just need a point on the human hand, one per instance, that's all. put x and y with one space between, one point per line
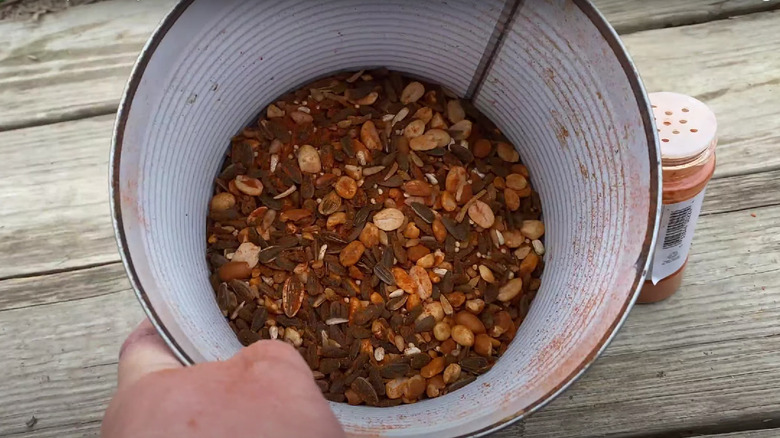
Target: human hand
266 390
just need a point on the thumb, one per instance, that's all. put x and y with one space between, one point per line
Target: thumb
143 352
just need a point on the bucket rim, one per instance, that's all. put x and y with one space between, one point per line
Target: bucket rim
621 54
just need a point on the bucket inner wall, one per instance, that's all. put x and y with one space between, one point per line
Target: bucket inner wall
544 72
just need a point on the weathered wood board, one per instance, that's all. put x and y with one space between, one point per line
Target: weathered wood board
632 16
674 357
54 211
703 362
734 67
73 63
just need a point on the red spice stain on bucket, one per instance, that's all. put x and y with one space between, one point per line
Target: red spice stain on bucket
562 133
583 170
130 205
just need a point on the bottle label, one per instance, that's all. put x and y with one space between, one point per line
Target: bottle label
675 234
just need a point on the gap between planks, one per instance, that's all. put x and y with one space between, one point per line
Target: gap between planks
765 432
58 271
79 114
83 428
756 427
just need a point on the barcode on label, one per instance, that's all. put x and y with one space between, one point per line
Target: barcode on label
678 225
678 221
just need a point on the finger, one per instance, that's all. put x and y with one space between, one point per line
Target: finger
266 351
277 368
143 353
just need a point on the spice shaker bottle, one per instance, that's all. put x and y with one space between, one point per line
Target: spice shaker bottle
688 132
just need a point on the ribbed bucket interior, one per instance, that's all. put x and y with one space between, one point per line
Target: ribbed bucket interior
548 73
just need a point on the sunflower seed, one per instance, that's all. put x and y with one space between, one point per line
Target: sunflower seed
393 181
396 303
459 231
292 296
269 254
384 274
423 211
395 370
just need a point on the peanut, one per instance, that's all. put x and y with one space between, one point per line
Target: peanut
223 201
389 219
434 367
412 93
309 159
451 373
462 335
351 253
483 345
441 331
532 229
470 321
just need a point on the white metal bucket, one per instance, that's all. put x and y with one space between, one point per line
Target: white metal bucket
551 74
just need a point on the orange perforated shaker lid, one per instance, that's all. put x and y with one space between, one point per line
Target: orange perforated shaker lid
686 126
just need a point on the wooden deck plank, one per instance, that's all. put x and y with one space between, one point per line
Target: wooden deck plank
59 360
742 192
733 66
54 197
633 16
88 429
668 392
698 65
734 273
73 63
26 292
704 359
672 360
707 356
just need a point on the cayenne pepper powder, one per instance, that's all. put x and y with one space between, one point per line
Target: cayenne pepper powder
688 132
